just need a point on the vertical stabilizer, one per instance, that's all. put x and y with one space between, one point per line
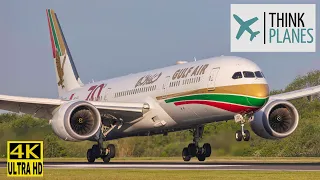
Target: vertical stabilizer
66 72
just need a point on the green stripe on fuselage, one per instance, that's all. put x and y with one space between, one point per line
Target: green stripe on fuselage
228 98
56 42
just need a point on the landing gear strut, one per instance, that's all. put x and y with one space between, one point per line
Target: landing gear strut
242 134
98 150
193 149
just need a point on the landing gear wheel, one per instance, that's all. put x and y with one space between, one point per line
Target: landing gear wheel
207 149
246 136
106 159
192 149
112 151
201 157
238 135
90 156
95 151
185 154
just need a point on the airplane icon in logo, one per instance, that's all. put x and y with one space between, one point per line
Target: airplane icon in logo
244 26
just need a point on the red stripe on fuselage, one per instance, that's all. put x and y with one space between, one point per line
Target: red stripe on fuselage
225 106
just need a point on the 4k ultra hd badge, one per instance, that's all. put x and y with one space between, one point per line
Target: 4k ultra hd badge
25 158
273 27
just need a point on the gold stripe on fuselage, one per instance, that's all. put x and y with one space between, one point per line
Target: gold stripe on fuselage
255 90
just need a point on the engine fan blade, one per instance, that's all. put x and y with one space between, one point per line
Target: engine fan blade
82 121
280 120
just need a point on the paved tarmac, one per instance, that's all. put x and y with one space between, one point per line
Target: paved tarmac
184 166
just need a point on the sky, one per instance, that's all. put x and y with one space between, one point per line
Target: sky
113 38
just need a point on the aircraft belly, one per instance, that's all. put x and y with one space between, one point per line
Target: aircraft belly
179 113
179 118
196 113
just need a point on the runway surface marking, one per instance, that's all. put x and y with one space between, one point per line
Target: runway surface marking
139 166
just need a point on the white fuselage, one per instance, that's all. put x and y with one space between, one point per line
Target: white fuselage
159 87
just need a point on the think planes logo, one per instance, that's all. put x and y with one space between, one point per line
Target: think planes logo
273 28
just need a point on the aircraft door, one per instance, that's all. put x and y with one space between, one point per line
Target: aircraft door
212 78
108 94
165 87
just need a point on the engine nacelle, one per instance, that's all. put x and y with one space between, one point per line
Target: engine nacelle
76 121
278 119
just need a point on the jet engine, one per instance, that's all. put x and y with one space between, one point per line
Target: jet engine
278 119
76 121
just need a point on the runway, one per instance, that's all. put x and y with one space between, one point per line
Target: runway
184 166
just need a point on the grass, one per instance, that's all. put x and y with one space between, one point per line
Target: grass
84 174
179 159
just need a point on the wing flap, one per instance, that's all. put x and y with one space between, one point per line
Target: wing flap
43 107
39 107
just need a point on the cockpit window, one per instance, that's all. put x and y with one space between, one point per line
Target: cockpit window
258 74
237 75
248 74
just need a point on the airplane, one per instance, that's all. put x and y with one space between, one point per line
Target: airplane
244 26
185 96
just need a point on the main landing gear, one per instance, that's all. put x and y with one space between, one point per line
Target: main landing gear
98 150
243 133
193 149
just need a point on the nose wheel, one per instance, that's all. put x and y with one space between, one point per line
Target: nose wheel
242 134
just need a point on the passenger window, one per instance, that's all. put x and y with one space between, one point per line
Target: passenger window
258 74
237 75
248 74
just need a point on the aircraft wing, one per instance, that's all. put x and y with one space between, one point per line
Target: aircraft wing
296 94
43 107
240 32
250 21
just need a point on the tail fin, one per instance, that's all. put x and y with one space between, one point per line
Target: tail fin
66 72
253 35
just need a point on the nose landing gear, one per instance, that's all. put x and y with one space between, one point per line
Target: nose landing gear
243 133
193 149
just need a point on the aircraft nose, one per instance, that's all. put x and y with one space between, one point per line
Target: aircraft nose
259 95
